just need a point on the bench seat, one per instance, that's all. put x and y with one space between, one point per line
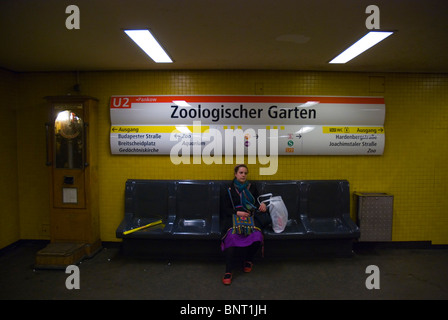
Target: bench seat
192 210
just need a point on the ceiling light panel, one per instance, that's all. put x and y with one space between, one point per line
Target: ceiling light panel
146 41
363 44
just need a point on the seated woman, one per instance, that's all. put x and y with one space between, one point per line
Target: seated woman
244 221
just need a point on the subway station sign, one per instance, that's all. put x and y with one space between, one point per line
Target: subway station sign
300 125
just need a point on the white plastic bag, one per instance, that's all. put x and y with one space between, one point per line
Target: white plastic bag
277 210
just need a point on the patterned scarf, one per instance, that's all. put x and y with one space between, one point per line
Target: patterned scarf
247 199
244 226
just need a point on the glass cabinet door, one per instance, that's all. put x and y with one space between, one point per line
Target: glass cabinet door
69 138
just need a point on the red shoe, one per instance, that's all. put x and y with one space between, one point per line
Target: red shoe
248 266
227 279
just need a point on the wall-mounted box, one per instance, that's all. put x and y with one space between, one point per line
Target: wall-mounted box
374 215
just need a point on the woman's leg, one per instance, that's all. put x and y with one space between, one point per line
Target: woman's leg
229 255
235 255
250 255
252 250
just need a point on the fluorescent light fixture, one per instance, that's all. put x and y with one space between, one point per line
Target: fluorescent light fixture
146 41
309 104
183 129
181 103
306 129
363 44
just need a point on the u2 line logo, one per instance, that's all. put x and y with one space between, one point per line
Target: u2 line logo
120 102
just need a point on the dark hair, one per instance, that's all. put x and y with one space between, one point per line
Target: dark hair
238 166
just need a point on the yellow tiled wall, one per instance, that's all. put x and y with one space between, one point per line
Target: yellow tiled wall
413 167
9 203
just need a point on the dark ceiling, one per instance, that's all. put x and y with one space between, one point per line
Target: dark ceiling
216 34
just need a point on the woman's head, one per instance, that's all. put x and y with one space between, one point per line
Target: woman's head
241 172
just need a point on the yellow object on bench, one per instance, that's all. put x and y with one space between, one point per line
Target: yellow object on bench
143 227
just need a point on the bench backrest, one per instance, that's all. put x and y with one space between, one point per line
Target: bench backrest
196 199
148 198
322 199
202 199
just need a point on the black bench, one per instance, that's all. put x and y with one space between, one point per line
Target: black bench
319 217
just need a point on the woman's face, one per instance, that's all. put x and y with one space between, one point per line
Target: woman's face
241 174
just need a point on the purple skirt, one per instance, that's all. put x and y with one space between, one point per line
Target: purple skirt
238 240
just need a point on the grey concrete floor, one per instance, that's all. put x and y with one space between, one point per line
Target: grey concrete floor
404 274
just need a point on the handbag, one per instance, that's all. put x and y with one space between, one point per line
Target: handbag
277 210
244 226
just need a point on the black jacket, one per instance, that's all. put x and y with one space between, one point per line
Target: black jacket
261 219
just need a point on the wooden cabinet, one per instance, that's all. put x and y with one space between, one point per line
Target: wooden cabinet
72 162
